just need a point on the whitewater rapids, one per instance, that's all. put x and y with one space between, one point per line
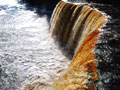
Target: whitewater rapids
29 56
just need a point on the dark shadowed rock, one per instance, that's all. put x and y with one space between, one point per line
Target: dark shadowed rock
105 1
49 4
98 1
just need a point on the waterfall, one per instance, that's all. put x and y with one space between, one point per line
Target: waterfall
30 60
77 76
70 23
77 27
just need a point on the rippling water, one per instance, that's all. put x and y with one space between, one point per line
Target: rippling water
28 54
108 49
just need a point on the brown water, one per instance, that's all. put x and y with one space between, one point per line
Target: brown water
71 23
107 49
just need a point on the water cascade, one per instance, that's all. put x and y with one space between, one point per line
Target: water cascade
30 60
77 27
70 23
77 76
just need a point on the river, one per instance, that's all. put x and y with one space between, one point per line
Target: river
29 56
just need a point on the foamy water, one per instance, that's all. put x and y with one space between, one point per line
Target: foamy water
28 53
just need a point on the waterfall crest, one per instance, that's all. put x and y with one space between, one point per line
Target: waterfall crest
77 27
70 23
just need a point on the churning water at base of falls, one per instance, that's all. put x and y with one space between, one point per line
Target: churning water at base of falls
28 55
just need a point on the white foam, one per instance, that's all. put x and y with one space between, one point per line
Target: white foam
27 51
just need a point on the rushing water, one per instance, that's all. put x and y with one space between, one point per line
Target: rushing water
107 49
29 57
28 54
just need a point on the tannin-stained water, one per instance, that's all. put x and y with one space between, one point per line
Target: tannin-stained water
106 50
29 57
80 25
71 23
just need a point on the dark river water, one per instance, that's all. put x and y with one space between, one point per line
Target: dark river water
108 49
28 54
